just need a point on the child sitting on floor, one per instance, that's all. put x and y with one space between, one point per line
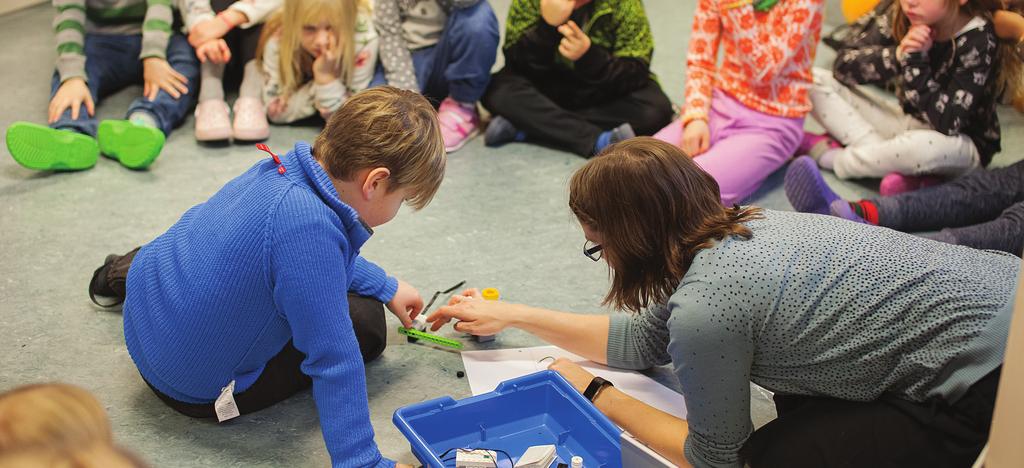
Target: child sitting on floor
444 49
948 67
577 76
244 298
744 118
226 44
314 54
102 47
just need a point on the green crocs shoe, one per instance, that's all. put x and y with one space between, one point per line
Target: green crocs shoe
134 146
47 149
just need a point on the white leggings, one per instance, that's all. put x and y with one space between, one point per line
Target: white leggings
879 138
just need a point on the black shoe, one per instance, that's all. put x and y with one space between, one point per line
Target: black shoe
99 286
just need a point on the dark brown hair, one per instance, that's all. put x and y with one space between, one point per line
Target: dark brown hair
386 127
655 209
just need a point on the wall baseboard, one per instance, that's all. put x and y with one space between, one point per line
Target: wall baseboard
15 5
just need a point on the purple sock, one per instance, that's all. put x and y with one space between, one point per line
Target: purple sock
806 189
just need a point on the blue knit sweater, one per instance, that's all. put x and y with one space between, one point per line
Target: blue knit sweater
269 258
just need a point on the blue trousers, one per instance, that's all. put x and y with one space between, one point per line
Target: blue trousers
459 65
112 62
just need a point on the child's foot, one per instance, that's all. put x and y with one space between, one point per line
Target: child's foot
863 211
250 120
135 146
613 136
459 123
806 188
814 144
212 120
500 131
99 286
47 149
895 183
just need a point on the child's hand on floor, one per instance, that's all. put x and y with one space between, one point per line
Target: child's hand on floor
71 94
696 137
215 51
406 304
1009 25
157 74
574 43
918 39
556 12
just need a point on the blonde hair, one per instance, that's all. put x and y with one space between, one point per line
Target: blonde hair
295 64
386 127
51 414
95 455
1009 76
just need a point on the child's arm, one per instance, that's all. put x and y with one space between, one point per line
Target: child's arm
871 59
367 44
69 27
370 280
948 108
157 74
702 60
531 43
625 68
770 47
283 108
255 11
394 52
305 266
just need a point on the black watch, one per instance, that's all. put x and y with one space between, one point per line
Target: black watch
595 387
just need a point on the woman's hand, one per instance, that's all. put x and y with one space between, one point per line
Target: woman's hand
476 316
696 137
406 304
71 94
576 375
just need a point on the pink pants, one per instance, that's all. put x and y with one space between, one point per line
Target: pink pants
746 145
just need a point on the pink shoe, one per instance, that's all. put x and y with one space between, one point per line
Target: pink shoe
895 183
458 124
213 123
250 120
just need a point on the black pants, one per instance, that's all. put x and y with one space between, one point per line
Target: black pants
548 116
983 209
243 44
889 432
282 376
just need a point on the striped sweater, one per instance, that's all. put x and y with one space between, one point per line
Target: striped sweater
75 18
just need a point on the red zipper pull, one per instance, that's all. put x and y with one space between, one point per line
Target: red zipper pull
280 166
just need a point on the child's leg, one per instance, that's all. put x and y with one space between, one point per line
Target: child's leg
913 152
977 197
213 117
250 116
647 110
518 100
1005 233
746 147
211 86
847 115
464 56
168 111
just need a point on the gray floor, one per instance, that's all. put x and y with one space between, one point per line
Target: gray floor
500 220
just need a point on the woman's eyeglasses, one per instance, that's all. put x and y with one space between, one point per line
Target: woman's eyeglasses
592 251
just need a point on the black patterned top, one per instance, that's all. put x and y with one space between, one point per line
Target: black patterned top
952 87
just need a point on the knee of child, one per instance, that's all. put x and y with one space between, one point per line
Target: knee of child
478 22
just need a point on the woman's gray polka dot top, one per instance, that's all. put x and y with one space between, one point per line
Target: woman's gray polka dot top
816 305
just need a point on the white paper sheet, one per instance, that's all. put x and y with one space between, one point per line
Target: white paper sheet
486 369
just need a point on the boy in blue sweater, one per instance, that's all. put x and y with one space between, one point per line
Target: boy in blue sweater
243 301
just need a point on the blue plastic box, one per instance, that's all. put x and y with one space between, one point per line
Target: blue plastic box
537 409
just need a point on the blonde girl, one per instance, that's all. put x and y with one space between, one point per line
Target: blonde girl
314 55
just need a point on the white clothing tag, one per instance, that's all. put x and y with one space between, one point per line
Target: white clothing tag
225 404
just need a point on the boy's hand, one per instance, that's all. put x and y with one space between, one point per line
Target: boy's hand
158 74
215 51
574 43
556 12
406 304
72 93
696 137
1009 25
918 39
325 67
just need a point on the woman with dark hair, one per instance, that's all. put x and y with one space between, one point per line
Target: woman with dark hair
883 349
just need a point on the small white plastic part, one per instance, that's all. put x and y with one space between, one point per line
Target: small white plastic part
478 458
576 462
420 322
538 456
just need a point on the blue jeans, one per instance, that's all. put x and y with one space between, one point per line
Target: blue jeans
459 65
112 62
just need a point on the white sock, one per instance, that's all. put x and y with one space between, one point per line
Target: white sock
143 118
211 85
252 81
